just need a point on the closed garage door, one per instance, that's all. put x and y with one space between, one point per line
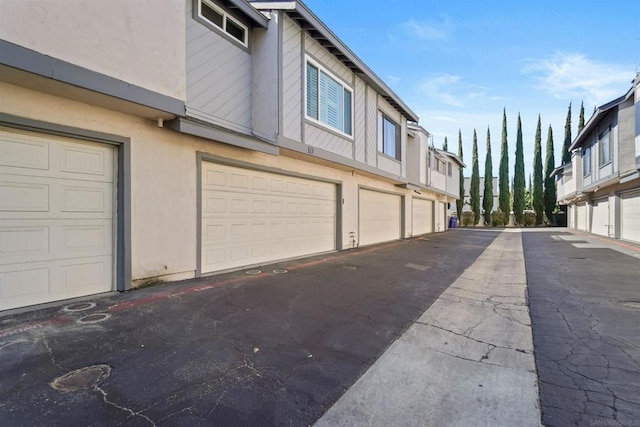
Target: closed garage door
581 217
630 206
421 216
56 207
251 217
600 217
380 217
441 217
570 216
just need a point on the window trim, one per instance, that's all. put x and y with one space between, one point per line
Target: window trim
345 87
601 162
398 136
226 16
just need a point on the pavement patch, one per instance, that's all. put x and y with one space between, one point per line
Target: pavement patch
81 379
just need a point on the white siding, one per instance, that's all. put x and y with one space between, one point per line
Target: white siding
360 142
372 127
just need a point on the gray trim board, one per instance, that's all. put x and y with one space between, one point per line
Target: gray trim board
210 132
19 57
122 245
299 147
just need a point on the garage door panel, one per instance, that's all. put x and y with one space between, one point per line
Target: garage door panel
600 217
39 282
379 217
251 217
40 197
422 216
31 154
630 216
56 207
581 217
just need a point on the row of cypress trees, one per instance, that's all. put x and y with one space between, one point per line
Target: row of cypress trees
544 185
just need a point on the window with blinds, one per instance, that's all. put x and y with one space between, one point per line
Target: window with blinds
328 102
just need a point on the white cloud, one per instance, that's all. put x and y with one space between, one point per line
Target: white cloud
438 88
575 76
392 80
427 30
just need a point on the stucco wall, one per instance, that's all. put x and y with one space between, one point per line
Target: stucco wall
164 179
140 42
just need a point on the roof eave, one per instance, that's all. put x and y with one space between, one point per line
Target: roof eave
251 12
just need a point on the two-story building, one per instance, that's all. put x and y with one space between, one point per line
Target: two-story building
219 135
601 185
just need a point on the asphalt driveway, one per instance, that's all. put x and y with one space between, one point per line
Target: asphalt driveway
274 348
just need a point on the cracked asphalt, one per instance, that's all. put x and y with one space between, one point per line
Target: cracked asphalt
233 349
284 348
584 300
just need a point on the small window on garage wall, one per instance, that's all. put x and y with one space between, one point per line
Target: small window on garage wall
217 18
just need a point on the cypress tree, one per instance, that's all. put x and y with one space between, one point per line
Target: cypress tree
474 187
518 177
581 118
550 190
445 144
487 201
538 190
460 201
504 197
566 155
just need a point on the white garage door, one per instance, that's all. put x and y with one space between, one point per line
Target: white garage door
379 217
421 216
581 217
251 217
441 217
630 206
56 202
570 216
600 217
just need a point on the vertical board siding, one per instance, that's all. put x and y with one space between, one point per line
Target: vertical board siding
318 137
219 77
372 127
292 90
359 115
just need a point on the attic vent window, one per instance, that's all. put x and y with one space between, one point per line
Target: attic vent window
219 19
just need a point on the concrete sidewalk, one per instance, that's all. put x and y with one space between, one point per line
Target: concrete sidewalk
468 360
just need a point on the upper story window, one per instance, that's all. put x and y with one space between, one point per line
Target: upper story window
329 101
604 141
586 160
213 14
388 136
449 169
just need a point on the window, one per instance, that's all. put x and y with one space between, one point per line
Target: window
449 169
388 137
328 100
605 146
214 15
586 161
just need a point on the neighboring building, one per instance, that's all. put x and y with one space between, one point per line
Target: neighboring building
431 172
601 185
217 136
467 197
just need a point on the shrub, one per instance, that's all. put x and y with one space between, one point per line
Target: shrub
499 219
528 218
468 219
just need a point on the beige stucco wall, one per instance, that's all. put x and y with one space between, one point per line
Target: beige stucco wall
141 42
164 179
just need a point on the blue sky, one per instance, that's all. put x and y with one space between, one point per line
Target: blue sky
458 63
